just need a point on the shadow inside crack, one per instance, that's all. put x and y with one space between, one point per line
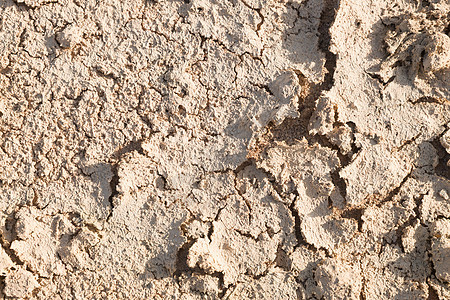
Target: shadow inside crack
442 168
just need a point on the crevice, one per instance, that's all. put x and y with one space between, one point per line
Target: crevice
224 288
114 192
182 267
29 7
297 222
116 156
344 161
218 42
327 18
258 11
401 230
410 222
12 255
211 228
432 294
247 235
182 257
380 80
293 129
129 147
263 87
418 201
336 123
102 74
258 26
6 245
355 149
356 214
428 99
259 276
239 169
165 184
242 166
408 142
441 169
340 183
301 241
362 295
282 259
76 100
390 196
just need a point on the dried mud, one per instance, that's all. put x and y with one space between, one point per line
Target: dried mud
238 149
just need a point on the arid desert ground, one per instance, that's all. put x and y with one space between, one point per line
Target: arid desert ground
225 149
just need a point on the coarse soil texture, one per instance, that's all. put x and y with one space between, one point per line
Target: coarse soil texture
225 149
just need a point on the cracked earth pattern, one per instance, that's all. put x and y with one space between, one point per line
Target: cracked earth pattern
235 149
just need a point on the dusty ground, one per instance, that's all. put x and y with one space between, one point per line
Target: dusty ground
236 149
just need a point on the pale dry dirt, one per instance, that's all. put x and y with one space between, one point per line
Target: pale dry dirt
224 149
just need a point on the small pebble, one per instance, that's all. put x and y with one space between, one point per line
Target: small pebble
444 194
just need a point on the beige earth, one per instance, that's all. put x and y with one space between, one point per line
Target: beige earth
225 149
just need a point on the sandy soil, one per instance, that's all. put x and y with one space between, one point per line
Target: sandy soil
235 149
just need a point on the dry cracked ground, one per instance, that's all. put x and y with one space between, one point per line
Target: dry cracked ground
235 149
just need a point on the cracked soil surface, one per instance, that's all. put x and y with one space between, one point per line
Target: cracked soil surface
224 149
